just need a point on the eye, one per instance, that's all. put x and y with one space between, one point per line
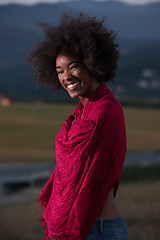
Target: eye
74 66
59 72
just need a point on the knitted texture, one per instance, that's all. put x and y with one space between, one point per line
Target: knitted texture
90 152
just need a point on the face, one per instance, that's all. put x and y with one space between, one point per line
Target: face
74 77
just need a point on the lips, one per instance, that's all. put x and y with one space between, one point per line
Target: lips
71 86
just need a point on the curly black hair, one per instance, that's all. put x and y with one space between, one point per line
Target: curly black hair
83 37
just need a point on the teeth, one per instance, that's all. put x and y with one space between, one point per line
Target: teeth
70 86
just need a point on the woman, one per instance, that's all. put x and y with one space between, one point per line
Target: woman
79 199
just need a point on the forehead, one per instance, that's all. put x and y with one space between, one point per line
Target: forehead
65 59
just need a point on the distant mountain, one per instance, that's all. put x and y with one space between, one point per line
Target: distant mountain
130 22
137 27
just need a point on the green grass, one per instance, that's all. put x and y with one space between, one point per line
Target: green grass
143 129
140 173
28 130
138 203
27 135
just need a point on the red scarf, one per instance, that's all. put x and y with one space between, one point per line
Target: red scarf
90 152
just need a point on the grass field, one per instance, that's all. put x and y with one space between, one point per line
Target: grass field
139 204
27 135
28 130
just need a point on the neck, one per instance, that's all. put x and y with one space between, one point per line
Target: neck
84 100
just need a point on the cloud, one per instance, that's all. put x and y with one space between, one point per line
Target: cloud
133 1
30 2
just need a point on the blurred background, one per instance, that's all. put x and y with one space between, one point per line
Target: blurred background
30 117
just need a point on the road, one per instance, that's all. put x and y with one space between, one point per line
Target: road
16 178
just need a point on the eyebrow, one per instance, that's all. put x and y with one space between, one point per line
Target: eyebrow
70 63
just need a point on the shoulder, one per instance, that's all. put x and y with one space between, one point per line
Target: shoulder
106 108
109 117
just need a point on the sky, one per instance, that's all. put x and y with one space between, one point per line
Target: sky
31 2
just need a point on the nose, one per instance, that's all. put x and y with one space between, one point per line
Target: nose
67 75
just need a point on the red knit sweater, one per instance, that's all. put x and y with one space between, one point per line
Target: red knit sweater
90 152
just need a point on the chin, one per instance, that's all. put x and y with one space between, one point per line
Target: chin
74 94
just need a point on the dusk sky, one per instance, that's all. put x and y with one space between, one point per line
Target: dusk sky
30 2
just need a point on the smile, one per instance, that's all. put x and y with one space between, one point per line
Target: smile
72 85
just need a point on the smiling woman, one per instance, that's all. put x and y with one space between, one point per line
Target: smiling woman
83 39
75 77
80 55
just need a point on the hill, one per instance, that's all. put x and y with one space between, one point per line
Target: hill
138 34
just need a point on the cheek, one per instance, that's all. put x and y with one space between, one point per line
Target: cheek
85 79
61 82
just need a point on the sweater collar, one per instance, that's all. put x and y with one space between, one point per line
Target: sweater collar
95 96
99 92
